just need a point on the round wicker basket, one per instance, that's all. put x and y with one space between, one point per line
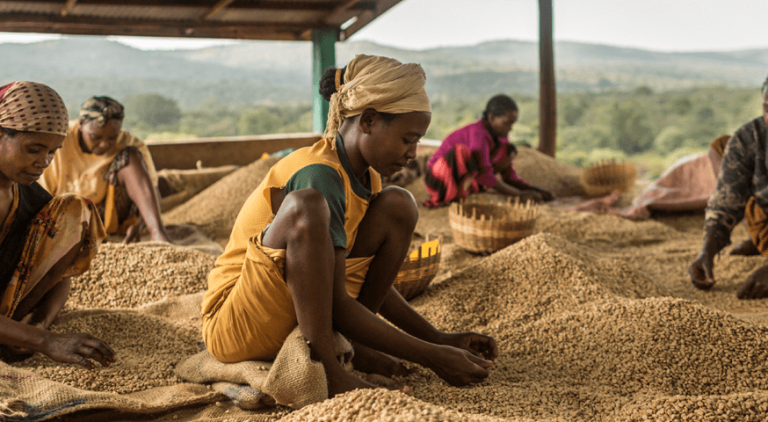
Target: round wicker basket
604 177
419 269
485 227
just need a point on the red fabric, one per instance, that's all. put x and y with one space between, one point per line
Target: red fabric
451 177
5 88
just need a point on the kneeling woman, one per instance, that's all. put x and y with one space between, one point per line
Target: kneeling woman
106 164
479 157
43 240
319 243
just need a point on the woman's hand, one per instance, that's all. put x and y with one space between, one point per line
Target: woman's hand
701 271
531 195
756 286
546 195
478 344
458 367
78 348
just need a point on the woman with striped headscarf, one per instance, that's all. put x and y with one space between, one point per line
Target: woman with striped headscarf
43 240
114 169
319 243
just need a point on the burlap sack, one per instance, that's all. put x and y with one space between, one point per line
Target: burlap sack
684 186
292 380
188 183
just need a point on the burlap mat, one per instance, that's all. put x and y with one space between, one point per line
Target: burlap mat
25 396
292 380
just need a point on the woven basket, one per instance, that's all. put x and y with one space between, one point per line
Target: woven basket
484 227
419 269
604 177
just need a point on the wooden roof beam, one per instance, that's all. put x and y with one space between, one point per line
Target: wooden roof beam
340 10
16 22
339 14
68 7
218 7
366 17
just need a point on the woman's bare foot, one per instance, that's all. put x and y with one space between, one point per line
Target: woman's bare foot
372 361
341 381
746 248
635 213
598 205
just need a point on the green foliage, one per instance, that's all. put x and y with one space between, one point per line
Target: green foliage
670 138
628 122
651 129
151 110
260 120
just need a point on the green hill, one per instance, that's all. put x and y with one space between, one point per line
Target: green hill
279 72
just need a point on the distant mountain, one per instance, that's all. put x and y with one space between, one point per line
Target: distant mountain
275 72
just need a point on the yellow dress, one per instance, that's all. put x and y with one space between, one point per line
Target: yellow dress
248 311
53 231
84 174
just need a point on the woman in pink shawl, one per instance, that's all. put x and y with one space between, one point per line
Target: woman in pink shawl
479 157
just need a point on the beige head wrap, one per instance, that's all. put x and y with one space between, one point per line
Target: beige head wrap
380 83
32 107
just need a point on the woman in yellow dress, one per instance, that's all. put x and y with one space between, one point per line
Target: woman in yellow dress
108 165
318 244
43 240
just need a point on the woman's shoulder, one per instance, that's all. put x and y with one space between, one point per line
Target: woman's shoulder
752 131
127 139
469 132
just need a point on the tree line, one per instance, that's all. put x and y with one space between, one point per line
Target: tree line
652 129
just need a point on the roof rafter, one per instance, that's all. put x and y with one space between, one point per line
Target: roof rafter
68 7
366 17
218 7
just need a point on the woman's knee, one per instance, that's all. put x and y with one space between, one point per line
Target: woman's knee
136 167
399 206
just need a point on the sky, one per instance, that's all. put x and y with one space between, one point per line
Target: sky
661 25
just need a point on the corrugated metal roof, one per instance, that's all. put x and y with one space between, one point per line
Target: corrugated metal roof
244 19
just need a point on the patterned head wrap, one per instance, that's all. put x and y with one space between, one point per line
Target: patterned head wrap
32 107
101 109
380 83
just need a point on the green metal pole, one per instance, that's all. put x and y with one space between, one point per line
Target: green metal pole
323 55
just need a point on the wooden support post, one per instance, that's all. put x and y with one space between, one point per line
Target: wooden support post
323 55
547 100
